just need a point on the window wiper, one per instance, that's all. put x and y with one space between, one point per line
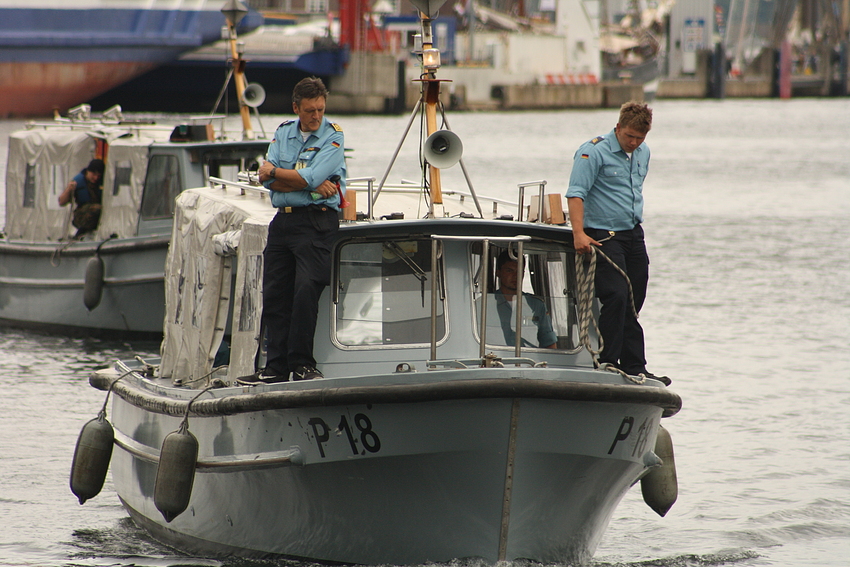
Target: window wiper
418 272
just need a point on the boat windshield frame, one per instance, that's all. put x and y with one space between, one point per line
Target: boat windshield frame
391 281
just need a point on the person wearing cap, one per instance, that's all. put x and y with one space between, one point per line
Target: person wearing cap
86 190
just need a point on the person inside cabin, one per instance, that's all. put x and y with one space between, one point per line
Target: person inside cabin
305 154
533 309
605 203
86 190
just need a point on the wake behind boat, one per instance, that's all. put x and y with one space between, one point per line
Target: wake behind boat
441 430
110 279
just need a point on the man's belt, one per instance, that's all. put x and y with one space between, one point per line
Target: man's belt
304 209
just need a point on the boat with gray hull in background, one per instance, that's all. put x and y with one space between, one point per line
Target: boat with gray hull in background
109 280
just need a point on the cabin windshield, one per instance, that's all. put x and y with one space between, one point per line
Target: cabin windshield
384 294
549 317
168 174
162 185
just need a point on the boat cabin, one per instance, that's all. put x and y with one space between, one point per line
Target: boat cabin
406 294
147 165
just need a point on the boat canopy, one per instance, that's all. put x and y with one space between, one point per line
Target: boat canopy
43 160
198 274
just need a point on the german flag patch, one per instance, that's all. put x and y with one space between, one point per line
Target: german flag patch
585 156
335 144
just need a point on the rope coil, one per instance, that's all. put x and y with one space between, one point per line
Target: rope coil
586 278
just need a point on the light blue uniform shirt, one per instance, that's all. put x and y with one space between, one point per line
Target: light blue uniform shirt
610 183
321 156
535 320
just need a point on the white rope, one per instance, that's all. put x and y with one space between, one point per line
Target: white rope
586 278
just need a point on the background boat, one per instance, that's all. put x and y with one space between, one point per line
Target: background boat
280 54
111 280
108 280
58 54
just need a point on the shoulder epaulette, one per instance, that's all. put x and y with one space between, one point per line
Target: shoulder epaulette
597 139
336 126
286 123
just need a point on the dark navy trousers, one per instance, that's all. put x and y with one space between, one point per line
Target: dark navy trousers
296 269
621 332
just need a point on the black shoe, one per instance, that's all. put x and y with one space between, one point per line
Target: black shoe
306 373
663 379
261 377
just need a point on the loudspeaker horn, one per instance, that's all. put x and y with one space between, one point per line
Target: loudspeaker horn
443 149
254 95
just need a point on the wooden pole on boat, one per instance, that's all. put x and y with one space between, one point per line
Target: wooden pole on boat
239 76
432 97
233 12
430 90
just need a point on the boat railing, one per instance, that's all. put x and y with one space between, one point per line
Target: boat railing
353 182
541 186
247 182
437 240
489 361
412 188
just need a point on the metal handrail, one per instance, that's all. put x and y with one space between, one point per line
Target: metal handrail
522 187
485 259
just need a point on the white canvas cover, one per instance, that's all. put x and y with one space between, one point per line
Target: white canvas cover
199 283
248 295
123 183
52 156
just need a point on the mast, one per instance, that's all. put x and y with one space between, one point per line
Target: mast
234 11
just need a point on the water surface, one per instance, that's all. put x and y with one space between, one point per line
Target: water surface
748 228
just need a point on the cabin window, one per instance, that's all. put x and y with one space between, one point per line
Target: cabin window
162 185
385 294
57 183
123 178
29 187
548 306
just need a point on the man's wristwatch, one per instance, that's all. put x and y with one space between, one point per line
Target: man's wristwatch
272 173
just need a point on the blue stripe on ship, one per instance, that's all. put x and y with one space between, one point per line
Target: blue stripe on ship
62 35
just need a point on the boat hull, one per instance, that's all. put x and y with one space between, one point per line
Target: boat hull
43 286
55 57
460 469
36 88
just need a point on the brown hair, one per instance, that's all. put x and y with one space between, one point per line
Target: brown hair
636 115
311 87
96 166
